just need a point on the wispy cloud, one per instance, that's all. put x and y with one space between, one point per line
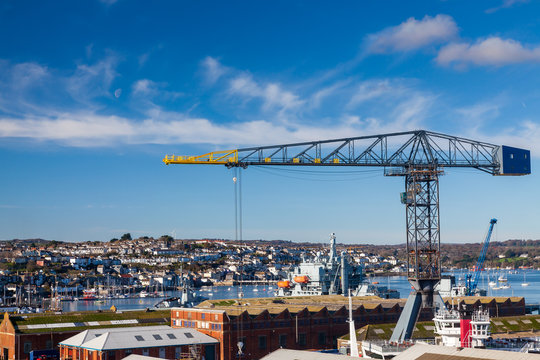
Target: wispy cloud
351 107
280 112
87 130
213 70
149 89
412 35
506 4
373 89
272 94
493 51
91 81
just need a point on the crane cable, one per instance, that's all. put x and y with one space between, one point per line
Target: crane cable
308 174
238 238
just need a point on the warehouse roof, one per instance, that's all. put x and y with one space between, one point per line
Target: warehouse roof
286 354
137 337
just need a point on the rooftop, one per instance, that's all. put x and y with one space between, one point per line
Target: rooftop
438 352
502 327
286 354
296 304
255 306
137 337
72 321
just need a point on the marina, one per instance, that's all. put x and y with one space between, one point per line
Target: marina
400 283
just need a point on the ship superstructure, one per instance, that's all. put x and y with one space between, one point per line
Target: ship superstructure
464 328
324 275
330 275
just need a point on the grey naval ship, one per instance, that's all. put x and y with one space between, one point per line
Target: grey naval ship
330 275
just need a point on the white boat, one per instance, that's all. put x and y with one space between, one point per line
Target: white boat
505 286
524 283
502 278
143 294
492 283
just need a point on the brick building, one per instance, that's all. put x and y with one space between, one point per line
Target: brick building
264 325
315 322
20 334
157 341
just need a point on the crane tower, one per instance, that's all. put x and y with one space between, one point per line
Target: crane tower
420 157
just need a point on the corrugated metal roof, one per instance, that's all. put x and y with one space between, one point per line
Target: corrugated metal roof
286 354
87 335
138 337
438 352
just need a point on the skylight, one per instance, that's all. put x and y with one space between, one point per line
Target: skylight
188 335
139 338
157 337
171 336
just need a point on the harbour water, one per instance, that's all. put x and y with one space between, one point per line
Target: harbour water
400 283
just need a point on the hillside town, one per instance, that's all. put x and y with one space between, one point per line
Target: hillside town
34 270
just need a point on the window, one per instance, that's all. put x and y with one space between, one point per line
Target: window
322 338
177 352
302 339
146 352
139 338
171 336
262 342
203 315
216 317
157 337
49 344
283 340
189 335
27 347
129 351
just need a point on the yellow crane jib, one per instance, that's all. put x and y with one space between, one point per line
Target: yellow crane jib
216 157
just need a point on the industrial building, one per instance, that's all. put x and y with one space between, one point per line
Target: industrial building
310 322
22 334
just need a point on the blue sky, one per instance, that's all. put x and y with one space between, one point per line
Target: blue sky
93 94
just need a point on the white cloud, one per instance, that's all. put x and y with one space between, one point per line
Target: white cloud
506 4
148 89
91 81
143 86
272 94
319 96
413 34
161 127
492 51
372 89
213 70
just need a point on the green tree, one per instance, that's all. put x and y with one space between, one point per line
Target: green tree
126 236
